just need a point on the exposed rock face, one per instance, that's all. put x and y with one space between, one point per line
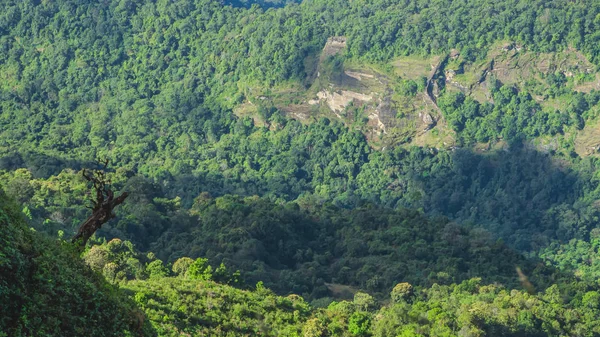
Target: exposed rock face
426 118
355 86
334 45
383 115
357 75
431 88
339 101
385 112
454 54
376 122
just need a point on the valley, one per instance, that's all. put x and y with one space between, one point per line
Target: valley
313 168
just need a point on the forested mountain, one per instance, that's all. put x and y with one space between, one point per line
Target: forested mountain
445 152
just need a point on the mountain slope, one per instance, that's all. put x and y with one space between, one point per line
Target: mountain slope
46 290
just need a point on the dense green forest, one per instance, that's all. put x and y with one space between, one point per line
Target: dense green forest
192 298
460 199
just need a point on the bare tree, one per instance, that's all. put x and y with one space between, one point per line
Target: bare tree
102 206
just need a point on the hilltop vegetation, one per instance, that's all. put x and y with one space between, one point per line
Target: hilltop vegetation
178 306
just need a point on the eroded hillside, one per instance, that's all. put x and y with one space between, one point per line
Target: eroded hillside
395 103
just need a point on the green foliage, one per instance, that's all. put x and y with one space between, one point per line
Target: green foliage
325 161
331 69
401 292
513 117
178 306
486 310
46 290
359 323
156 269
150 85
299 247
578 256
309 209
410 88
181 266
200 270
118 260
363 301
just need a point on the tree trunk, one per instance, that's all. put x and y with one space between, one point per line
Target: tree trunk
101 214
104 204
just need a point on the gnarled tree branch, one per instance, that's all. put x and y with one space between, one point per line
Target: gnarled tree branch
102 206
